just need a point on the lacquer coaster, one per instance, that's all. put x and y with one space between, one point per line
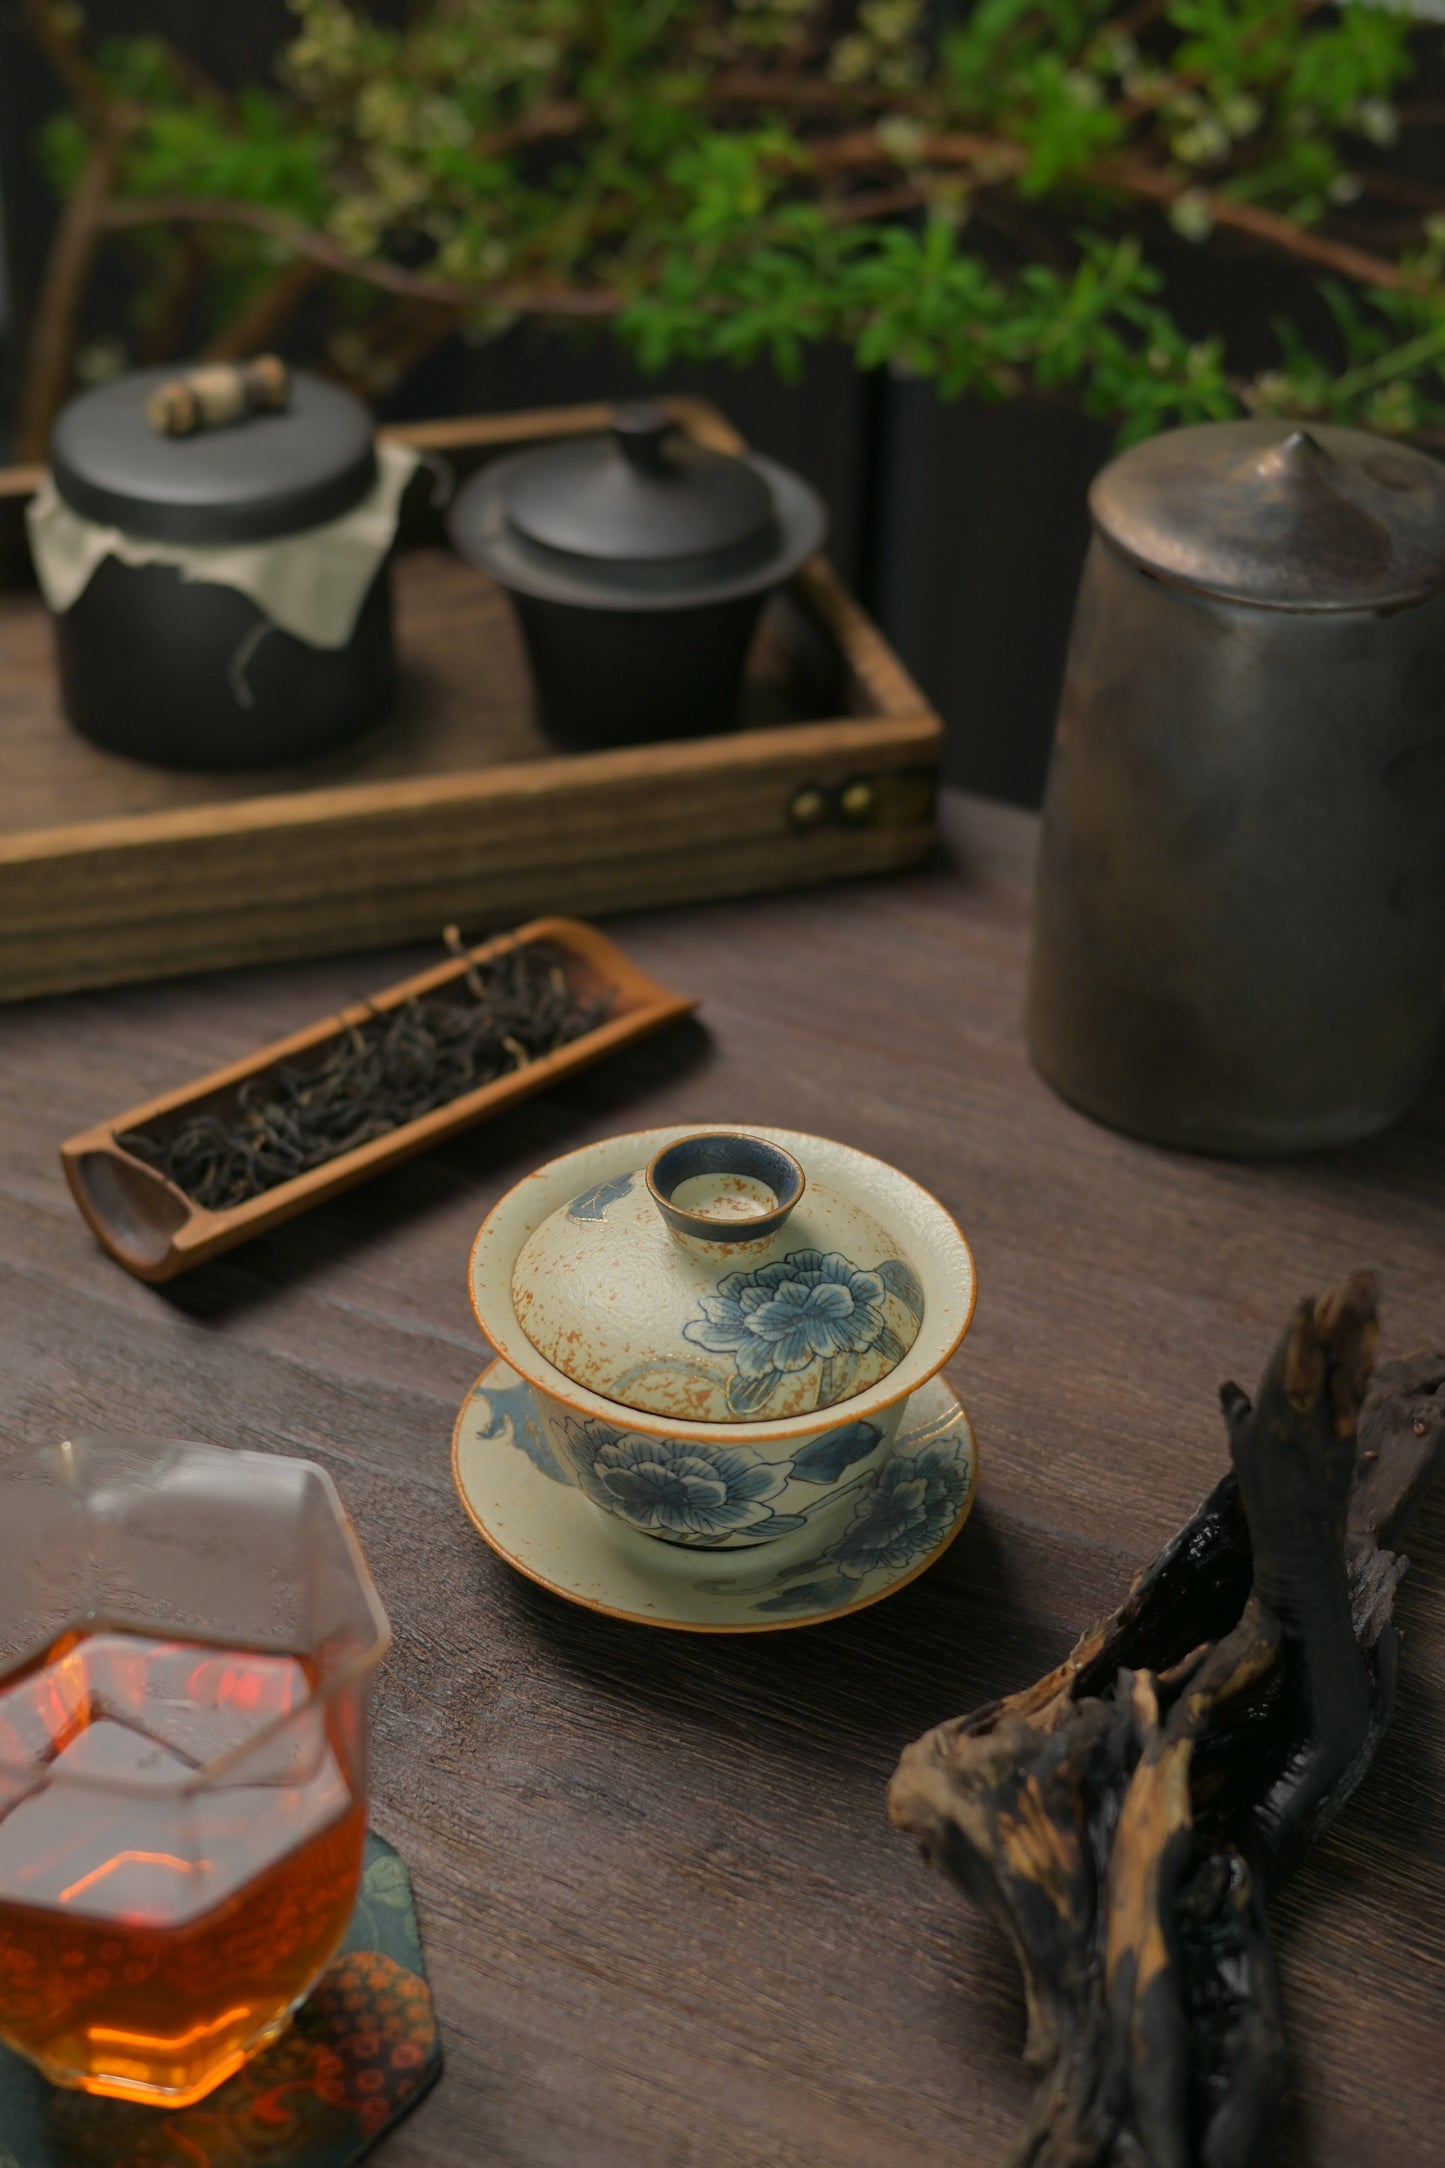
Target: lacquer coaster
360 2052
520 1500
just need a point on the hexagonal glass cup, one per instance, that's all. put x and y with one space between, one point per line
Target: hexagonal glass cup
187 1641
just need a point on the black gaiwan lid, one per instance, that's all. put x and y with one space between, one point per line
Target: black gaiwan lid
1280 517
642 517
267 475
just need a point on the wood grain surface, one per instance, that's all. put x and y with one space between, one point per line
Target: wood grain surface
668 1923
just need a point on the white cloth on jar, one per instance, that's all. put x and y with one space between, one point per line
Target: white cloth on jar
311 584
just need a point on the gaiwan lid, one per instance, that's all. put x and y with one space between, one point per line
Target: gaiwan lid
1286 519
268 475
640 516
717 1285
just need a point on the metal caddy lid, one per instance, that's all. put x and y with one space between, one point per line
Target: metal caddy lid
1283 519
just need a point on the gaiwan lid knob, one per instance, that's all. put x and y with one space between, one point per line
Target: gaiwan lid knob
717 1285
644 491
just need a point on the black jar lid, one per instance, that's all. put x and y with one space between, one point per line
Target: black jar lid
642 517
1284 518
270 474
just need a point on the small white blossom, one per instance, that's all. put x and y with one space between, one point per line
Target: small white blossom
101 362
851 59
1377 120
1191 216
1208 139
902 138
1085 89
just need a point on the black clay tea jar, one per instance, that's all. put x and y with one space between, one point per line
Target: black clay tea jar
220 599
638 562
1239 913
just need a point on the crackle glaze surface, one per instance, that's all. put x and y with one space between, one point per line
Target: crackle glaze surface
716 1331
540 1519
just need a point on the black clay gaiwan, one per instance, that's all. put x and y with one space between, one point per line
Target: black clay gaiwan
165 652
638 562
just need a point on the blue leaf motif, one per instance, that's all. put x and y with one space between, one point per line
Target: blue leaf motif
510 1415
593 1203
746 1395
833 1384
809 1596
826 1458
901 1280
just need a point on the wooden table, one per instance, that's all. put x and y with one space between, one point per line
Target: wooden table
668 1923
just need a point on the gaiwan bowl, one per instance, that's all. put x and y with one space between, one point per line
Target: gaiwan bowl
756 1366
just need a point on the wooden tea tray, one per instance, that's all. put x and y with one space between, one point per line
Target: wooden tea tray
458 809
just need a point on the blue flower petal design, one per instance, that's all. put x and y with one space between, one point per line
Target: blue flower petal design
803 1309
826 1458
593 1202
511 1408
907 1513
688 1493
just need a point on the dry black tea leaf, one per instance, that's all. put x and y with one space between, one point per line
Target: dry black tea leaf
502 1013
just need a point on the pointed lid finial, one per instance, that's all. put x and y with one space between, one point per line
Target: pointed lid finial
1294 519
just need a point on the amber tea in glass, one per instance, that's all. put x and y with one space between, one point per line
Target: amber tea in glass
189 1636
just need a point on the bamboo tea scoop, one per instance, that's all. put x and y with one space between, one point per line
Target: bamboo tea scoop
152 1227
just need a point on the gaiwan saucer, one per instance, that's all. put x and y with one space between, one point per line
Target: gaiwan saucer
520 1500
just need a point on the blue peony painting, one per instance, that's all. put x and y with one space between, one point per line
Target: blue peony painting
804 1310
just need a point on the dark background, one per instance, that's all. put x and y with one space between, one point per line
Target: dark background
962 527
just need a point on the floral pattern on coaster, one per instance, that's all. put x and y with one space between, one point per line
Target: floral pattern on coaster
360 2052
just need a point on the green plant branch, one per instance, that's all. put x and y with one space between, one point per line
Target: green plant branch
123 212
260 322
989 159
1396 363
728 178
1285 235
992 159
61 46
67 273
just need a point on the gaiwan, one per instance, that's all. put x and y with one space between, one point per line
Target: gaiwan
721 1341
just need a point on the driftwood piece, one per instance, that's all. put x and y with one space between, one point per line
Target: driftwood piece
1125 1818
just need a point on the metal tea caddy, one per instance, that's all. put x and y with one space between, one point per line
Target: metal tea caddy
1239 914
